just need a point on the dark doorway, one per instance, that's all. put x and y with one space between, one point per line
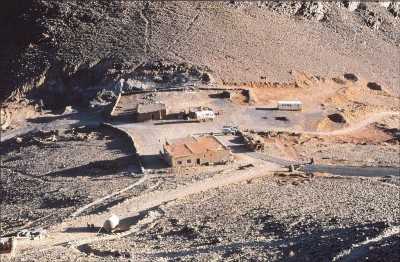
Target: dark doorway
198 161
152 117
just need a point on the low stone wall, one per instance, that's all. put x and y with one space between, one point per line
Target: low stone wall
122 132
183 89
115 104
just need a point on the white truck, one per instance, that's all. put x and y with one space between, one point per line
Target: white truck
204 115
229 130
290 105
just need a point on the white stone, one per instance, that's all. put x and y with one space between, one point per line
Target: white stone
353 5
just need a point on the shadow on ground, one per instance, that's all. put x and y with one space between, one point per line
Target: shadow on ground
81 229
97 168
176 122
267 108
153 162
305 242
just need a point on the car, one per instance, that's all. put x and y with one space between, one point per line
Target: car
229 130
182 114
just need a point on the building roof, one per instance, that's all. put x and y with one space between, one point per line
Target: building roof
289 102
181 141
150 107
193 145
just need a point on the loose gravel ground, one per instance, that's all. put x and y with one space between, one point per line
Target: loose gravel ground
274 219
48 175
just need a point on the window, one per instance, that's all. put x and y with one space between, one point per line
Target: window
189 161
179 162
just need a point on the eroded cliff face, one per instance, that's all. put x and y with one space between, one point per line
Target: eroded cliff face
67 52
91 83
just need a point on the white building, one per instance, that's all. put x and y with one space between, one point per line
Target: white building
290 105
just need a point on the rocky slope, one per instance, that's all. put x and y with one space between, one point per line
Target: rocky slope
66 52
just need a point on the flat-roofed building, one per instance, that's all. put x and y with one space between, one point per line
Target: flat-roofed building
193 151
151 111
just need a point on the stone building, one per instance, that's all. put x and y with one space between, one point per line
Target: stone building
194 151
151 111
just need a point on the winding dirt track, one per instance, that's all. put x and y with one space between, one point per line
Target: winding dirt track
369 120
356 250
134 209
99 200
74 232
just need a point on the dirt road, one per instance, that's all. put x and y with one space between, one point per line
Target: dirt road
371 119
338 170
74 231
363 123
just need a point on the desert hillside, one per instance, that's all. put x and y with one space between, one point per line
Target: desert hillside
65 52
199 131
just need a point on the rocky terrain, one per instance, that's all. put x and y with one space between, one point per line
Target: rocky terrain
75 49
282 217
67 162
47 176
273 219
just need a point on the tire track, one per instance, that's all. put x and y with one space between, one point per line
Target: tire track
355 252
196 17
137 207
369 120
99 200
147 28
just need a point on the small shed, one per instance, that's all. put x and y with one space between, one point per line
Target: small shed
151 111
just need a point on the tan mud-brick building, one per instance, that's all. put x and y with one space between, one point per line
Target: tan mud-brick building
193 151
152 111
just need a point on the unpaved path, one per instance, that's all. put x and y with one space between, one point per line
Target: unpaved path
228 176
356 250
99 200
369 120
75 231
334 169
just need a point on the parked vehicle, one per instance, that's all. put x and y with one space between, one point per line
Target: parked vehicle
204 115
290 105
182 114
229 130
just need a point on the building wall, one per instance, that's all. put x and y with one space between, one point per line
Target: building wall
192 160
163 114
158 115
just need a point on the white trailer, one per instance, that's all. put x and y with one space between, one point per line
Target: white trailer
204 115
290 105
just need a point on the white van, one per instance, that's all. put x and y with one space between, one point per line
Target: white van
290 105
229 130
